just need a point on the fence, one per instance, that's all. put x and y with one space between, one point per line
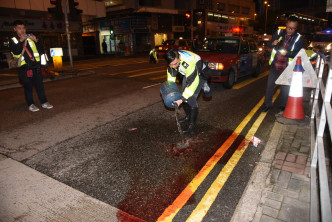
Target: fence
320 206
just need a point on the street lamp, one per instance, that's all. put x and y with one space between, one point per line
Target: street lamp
267 6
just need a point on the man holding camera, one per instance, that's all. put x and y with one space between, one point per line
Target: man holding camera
31 55
285 45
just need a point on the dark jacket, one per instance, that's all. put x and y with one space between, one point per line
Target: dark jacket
17 49
297 47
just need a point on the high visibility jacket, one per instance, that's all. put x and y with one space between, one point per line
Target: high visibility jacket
293 48
188 68
35 52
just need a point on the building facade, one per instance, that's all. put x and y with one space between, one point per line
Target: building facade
48 27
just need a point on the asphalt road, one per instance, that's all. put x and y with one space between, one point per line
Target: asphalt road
110 136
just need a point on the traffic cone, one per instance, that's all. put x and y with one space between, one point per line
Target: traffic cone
294 107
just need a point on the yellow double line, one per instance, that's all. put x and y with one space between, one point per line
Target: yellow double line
210 196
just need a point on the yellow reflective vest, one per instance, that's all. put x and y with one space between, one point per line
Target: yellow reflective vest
274 51
32 46
187 67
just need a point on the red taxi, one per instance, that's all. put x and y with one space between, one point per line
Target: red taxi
180 44
230 58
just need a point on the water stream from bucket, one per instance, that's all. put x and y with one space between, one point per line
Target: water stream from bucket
178 124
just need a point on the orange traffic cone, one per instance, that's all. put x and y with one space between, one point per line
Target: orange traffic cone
294 107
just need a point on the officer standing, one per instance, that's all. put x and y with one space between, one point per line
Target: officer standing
190 66
153 56
29 69
286 44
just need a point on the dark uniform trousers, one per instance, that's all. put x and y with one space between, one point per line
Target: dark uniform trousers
28 83
273 76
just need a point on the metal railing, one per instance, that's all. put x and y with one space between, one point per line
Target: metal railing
320 204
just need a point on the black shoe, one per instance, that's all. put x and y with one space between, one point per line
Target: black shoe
266 108
282 108
187 110
193 117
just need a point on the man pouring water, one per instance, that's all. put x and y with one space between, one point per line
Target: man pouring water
190 66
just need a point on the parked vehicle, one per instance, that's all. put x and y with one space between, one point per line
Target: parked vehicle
180 44
230 58
322 42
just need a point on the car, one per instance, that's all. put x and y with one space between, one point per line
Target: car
180 44
322 42
230 58
264 48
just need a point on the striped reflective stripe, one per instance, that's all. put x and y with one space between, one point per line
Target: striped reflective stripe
36 54
43 59
187 93
170 78
16 56
15 40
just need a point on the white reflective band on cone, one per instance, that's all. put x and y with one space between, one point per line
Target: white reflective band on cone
296 89
43 59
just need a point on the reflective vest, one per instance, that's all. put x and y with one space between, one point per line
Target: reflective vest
187 67
34 50
274 51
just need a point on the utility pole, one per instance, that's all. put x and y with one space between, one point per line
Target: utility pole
68 34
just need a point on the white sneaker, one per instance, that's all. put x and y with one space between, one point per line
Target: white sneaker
47 105
33 108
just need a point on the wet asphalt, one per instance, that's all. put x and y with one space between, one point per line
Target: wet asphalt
126 158
131 163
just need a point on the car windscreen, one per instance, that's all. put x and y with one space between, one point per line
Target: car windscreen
223 45
169 42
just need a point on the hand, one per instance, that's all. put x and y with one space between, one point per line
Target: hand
177 102
33 37
275 42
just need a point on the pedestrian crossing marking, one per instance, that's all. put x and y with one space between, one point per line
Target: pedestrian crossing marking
171 211
146 73
137 70
5 74
158 77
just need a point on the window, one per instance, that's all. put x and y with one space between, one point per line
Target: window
253 46
245 10
150 2
244 47
112 3
234 8
221 7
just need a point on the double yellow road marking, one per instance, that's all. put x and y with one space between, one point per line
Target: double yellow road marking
210 196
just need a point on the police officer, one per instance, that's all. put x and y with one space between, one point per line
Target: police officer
29 69
190 66
286 44
153 56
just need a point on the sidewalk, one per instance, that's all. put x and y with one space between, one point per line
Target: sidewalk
279 188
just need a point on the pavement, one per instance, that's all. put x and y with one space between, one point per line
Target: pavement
278 190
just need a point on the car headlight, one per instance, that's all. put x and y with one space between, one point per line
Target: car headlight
216 66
